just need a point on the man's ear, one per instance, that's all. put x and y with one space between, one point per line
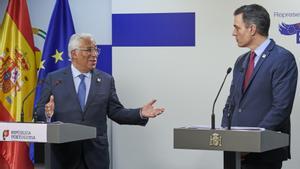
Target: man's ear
253 29
73 54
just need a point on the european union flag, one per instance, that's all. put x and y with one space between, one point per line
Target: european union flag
55 52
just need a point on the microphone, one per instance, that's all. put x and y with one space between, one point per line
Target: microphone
27 96
40 82
213 109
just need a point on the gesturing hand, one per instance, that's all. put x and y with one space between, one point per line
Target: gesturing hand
149 111
49 107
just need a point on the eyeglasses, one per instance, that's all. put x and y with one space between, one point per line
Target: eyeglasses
90 50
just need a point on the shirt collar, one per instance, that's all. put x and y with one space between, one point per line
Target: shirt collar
76 72
261 48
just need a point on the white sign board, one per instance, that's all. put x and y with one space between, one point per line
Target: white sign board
24 132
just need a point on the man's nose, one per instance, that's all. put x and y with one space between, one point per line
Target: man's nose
233 33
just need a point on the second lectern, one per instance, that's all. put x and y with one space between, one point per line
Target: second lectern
232 142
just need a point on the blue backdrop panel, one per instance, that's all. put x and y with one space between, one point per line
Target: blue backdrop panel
153 29
104 62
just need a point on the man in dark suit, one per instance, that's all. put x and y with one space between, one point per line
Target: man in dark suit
263 86
82 94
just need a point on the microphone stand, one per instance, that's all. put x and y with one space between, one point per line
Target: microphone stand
213 109
35 116
26 97
56 83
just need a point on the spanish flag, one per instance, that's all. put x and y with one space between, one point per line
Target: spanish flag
18 76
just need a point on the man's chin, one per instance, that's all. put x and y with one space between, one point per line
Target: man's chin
240 45
92 64
92 67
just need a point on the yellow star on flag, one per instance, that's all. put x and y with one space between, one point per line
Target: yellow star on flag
41 66
57 56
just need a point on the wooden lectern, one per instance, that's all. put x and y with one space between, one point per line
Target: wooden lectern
232 142
48 133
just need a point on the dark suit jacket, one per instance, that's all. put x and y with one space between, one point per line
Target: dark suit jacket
102 102
268 99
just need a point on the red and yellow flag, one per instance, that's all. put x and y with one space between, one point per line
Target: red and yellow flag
17 79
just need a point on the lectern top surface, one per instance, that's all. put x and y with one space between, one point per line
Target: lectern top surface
221 128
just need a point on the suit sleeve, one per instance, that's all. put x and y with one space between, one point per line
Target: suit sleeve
122 115
284 82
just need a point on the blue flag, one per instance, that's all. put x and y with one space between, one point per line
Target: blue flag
55 52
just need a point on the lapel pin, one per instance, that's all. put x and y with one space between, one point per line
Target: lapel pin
98 80
264 56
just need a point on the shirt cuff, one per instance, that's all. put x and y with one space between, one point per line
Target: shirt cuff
141 115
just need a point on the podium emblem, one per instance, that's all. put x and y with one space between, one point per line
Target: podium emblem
215 140
5 134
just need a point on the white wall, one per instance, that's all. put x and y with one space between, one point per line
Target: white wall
143 73
185 81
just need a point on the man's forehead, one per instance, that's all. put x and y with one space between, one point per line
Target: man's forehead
87 42
238 20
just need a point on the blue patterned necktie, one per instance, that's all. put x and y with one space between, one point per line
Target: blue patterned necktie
81 91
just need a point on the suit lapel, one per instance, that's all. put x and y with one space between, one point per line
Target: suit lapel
242 73
96 79
258 65
260 62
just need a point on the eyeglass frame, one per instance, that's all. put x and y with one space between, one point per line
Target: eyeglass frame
90 50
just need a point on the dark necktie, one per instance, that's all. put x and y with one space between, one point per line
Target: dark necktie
249 70
81 91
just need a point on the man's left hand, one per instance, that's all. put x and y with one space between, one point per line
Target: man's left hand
149 111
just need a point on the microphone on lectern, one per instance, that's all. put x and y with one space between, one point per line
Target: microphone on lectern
213 108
